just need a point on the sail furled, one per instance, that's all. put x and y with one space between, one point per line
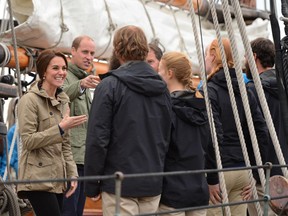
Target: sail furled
55 23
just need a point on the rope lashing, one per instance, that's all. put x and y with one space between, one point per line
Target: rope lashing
208 107
62 25
111 28
7 55
15 49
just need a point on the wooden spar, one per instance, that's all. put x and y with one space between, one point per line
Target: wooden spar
248 8
25 59
184 3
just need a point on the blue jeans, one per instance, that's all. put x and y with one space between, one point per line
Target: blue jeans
74 205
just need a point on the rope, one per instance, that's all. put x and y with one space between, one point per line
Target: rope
7 55
63 27
110 29
258 86
150 20
228 21
182 42
15 49
209 109
29 52
8 200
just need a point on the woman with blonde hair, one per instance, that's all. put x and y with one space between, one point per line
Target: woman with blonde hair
227 135
189 139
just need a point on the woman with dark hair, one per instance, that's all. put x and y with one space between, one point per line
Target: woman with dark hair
44 121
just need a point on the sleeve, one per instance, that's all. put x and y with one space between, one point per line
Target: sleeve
210 162
212 178
28 113
71 167
72 89
260 126
98 135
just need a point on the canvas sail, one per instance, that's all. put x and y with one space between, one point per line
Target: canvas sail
55 23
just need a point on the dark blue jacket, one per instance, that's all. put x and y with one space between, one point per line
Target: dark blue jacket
228 139
128 130
270 87
187 151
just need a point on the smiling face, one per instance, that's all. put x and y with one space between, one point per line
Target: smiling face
83 55
55 74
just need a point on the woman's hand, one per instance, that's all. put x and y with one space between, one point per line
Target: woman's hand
73 186
72 121
247 193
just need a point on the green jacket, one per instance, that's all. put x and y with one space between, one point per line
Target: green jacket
80 105
45 153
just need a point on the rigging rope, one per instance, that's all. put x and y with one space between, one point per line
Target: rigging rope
63 26
8 200
182 42
150 20
209 109
15 49
258 86
242 87
111 28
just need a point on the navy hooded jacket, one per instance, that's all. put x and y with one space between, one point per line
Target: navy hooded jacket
128 130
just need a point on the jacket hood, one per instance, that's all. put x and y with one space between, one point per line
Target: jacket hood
36 89
269 82
140 77
220 80
189 108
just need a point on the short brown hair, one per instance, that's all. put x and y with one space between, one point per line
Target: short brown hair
158 52
265 51
44 59
76 42
130 43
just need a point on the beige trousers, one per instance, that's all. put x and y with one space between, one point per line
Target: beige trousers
235 182
162 208
129 205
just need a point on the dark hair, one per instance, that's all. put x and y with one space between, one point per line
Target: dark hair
264 50
76 42
44 59
130 43
158 52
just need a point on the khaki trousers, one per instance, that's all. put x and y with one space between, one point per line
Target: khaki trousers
252 208
235 182
129 205
162 208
